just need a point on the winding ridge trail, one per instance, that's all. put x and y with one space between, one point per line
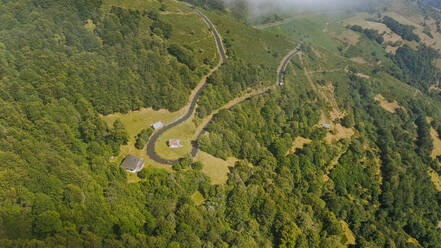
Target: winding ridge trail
151 152
244 98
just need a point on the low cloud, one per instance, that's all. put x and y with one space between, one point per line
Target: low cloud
256 8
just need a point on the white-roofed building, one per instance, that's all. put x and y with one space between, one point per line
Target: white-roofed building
326 125
158 125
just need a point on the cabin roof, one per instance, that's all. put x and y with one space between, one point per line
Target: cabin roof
133 163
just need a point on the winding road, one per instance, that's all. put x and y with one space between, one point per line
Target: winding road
151 152
285 61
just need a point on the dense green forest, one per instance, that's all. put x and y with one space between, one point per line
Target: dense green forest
108 65
380 214
65 63
416 67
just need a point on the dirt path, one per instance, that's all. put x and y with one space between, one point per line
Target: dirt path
230 105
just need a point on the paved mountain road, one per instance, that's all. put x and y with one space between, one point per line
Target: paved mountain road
151 152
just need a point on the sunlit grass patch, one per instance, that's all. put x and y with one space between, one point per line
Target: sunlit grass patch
217 169
197 198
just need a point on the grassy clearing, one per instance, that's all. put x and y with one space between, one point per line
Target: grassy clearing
349 37
339 132
190 31
90 26
134 122
436 143
310 28
217 169
170 5
386 105
197 198
132 178
348 233
299 143
266 49
436 180
184 132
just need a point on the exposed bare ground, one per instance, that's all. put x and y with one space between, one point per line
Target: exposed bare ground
299 143
361 75
394 41
359 60
391 49
435 88
307 73
337 131
418 23
326 92
391 39
386 105
360 19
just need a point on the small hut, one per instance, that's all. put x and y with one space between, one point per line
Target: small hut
174 143
133 164
326 125
158 125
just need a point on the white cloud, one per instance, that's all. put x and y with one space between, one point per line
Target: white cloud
259 7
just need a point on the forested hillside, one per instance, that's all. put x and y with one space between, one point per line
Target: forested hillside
117 60
344 154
